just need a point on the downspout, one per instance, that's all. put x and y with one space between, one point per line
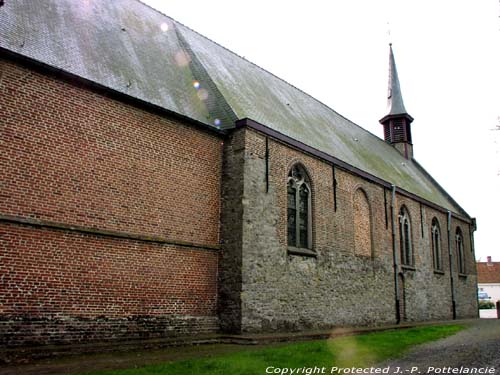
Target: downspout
472 229
334 189
394 253
267 165
453 301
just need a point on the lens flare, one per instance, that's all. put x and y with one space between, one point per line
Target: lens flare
202 94
217 122
196 85
164 27
182 58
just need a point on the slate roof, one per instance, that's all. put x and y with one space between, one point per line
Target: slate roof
131 48
488 273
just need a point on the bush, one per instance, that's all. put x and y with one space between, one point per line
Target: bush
486 304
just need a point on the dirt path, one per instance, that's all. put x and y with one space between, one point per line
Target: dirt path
475 348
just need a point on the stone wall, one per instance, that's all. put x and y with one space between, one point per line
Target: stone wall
341 284
230 273
292 292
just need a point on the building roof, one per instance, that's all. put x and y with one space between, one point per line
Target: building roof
133 49
488 272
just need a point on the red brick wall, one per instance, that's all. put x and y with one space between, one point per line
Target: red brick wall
48 272
70 155
74 157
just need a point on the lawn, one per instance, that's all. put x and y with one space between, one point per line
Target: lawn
358 351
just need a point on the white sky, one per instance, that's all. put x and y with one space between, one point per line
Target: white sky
447 54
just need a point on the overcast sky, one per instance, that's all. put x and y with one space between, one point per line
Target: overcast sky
447 54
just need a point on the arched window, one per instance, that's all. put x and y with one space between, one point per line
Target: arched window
436 245
459 245
362 224
299 208
405 237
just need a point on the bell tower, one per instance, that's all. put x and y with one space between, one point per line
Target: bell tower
397 122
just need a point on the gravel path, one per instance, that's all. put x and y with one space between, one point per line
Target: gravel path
477 347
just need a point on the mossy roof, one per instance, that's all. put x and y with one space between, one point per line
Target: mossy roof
131 48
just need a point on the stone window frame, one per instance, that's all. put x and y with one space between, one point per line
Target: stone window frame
360 188
459 246
405 239
436 246
298 182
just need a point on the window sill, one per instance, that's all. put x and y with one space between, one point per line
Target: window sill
462 275
301 251
439 272
408 268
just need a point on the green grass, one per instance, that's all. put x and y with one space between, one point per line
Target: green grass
359 351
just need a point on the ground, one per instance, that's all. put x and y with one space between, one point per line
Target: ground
477 346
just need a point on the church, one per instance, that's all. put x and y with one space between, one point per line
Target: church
155 184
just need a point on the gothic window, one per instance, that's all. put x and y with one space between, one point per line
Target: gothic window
299 208
405 238
459 244
362 224
436 245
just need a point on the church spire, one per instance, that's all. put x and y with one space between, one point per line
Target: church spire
395 105
397 129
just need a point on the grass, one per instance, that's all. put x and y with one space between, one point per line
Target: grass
358 351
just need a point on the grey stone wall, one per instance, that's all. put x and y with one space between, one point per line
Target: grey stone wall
338 286
230 269
281 291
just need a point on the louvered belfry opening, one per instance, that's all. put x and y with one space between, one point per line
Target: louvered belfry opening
387 133
397 130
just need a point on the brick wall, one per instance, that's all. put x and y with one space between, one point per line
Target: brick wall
72 158
54 279
70 155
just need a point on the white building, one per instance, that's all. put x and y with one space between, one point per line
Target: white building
488 278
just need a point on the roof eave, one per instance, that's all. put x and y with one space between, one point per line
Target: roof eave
392 116
72 78
247 122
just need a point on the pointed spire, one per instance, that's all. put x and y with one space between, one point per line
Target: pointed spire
395 105
397 122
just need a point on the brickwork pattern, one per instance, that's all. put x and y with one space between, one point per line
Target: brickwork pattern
362 224
72 156
62 277
75 157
